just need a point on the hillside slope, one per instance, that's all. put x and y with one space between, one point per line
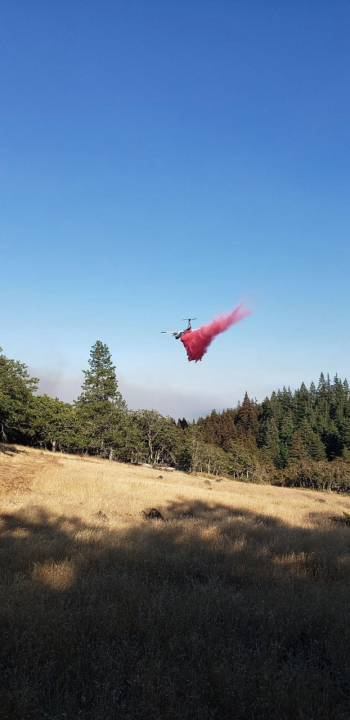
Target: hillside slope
236 602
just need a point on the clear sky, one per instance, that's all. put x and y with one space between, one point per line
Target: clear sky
160 159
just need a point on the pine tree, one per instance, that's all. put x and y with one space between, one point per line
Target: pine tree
229 430
333 441
338 400
101 408
286 399
286 430
100 384
313 394
344 432
272 448
247 422
265 416
297 450
311 441
302 405
322 400
276 406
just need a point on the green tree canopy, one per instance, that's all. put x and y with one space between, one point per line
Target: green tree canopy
55 424
16 400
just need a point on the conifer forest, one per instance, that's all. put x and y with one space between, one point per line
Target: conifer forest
299 438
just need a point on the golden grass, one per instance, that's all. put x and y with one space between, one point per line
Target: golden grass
236 605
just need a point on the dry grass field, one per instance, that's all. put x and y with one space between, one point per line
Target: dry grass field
234 605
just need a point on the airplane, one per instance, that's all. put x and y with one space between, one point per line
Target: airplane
178 333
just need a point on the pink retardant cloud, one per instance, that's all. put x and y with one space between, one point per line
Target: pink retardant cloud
198 341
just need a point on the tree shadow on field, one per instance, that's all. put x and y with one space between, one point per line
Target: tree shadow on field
10 450
216 613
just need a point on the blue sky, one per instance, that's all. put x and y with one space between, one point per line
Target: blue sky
161 159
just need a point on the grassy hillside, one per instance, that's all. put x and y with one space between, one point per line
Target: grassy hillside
236 604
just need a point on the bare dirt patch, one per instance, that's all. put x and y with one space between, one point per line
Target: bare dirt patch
18 468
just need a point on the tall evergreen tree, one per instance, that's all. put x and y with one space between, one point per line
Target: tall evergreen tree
322 398
272 450
311 441
276 406
100 384
229 430
333 441
313 394
101 408
286 399
338 400
266 415
297 450
247 422
302 405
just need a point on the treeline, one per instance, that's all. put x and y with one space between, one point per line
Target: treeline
300 438
297 438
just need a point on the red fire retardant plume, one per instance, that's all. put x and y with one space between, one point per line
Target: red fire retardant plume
198 341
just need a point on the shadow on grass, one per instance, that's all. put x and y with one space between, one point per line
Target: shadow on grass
217 613
10 450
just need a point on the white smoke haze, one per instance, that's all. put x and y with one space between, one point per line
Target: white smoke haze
67 387
167 401
58 383
64 384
